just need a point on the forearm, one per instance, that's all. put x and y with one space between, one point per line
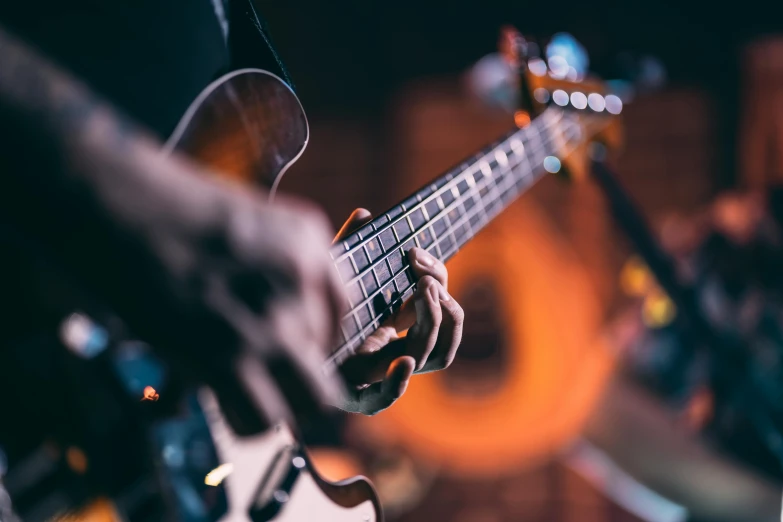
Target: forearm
643 439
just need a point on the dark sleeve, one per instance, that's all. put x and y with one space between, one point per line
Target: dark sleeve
149 58
250 41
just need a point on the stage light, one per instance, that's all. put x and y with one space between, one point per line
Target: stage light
560 97
541 95
552 164
596 102
521 119
579 100
614 105
150 394
218 475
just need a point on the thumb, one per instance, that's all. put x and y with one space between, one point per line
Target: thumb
358 218
397 377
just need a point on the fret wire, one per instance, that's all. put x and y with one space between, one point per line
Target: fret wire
473 192
508 184
442 212
481 156
470 170
369 328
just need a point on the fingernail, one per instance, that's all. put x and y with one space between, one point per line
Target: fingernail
424 257
444 295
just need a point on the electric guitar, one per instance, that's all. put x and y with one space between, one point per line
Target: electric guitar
250 126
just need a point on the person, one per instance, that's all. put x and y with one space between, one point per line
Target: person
87 93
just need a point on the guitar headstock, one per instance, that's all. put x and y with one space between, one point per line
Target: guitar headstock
559 78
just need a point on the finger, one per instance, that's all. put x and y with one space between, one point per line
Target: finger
379 396
356 220
423 264
423 336
372 360
449 335
370 363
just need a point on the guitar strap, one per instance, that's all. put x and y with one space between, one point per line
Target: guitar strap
250 43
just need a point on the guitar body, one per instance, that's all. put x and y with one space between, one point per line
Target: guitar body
250 126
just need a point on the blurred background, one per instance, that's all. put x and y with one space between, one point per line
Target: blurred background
573 396
581 391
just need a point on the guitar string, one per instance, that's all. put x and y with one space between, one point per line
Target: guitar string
451 183
224 433
475 188
509 185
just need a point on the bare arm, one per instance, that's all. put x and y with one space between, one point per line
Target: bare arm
169 246
164 243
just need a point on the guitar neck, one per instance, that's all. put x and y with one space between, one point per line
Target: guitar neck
441 218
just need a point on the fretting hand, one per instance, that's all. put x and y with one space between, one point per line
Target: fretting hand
379 373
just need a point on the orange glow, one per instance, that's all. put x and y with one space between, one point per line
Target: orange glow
557 361
522 119
658 310
698 411
102 510
76 459
635 278
335 464
150 394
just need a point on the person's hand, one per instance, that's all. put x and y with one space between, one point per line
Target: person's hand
280 291
239 292
379 372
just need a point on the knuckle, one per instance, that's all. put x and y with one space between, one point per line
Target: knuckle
458 314
440 268
378 339
371 344
427 283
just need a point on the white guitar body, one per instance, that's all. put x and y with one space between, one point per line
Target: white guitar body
253 460
249 126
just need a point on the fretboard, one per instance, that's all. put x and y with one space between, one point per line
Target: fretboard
441 218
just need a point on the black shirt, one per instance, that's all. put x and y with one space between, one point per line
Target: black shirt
150 58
